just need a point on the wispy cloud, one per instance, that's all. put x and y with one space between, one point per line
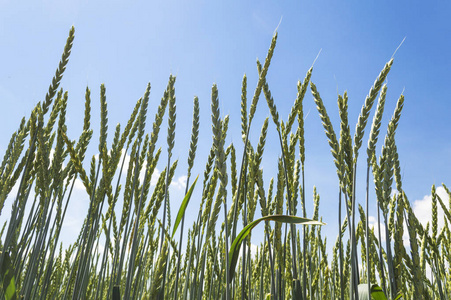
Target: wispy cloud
260 21
180 182
372 223
423 208
155 175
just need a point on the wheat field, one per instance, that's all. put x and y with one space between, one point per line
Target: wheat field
135 251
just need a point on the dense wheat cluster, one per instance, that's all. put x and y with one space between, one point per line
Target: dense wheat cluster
143 256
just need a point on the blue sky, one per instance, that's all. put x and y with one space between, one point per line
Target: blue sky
126 44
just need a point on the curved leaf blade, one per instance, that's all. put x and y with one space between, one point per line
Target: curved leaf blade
236 245
376 292
7 273
183 206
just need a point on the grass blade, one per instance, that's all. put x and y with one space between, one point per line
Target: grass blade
376 292
235 248
183 206
7 274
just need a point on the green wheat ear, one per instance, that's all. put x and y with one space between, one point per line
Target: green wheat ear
366 108
330 133
143 114
375 127
261 144
301 135
59 71
393 125
216 123
418 276
345 170
171 117
434 215
269 99
150 270
87 118
77 162
159 271
194 136
244 107
296 109
135 122
262 78
53 115
103 120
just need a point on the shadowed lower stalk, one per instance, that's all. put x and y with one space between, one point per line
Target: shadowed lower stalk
133 252
271 263
340 245
82 255
107 242
223 184
354 263
368 267
118 261
262 261
14 213
381 261
304 237
47 276
207 193
243 254
198 233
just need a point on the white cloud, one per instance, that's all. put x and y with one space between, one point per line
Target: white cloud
51 155
423 208
126 162
179 183
5 211
254 249
260 21
72 223
394 192
78 185
155 174
372 223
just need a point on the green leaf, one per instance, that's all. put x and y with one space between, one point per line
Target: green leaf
7 273
236 245
376 292
183 206
400 296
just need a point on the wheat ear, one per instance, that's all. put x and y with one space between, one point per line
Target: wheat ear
366 108
262 78
59 71
330 133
